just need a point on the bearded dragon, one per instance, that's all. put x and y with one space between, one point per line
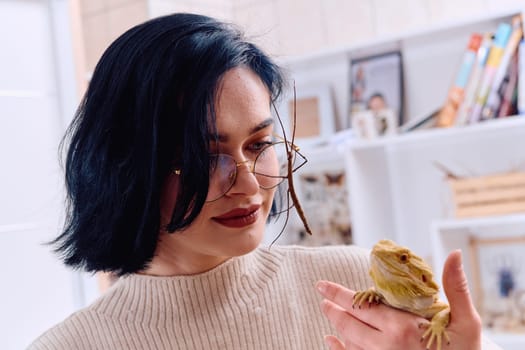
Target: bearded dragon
404 281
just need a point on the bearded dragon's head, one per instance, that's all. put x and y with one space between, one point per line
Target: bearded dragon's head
400 272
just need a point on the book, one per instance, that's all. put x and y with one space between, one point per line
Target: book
508 89
456 93
426 121
471 90
490 109
496 52
521 78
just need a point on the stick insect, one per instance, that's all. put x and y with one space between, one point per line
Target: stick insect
291 150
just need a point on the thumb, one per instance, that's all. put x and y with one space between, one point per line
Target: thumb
455 285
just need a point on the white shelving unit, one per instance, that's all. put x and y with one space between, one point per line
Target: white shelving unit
396 190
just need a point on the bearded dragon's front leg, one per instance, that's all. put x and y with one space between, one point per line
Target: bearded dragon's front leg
436 329
370 295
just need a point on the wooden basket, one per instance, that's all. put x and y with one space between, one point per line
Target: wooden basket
489 195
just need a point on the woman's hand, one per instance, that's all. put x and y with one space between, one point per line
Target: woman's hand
383 327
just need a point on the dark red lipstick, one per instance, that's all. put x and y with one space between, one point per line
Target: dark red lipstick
239 217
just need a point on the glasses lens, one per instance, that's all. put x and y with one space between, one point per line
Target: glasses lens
271 165
223 172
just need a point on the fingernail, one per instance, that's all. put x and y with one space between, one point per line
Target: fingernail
324 307
321 287
328 341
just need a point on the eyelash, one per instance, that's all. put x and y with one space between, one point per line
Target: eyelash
256 147
260 145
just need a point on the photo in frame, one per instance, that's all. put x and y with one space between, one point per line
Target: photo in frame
314 114
376 83
498 277
494 265
322 187
369 124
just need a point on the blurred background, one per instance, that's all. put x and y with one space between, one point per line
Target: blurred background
48 49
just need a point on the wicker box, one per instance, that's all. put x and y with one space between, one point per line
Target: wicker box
488 195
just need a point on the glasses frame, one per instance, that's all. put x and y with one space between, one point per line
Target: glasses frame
251 167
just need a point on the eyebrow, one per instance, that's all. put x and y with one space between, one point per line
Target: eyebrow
262 125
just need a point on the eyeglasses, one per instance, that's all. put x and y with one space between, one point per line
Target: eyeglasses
269 166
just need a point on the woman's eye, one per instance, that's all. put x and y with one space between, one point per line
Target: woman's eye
259 146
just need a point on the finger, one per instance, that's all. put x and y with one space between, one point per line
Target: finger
378 316
456 288
336 293
335 344
350 329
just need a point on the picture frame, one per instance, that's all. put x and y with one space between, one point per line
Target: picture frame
372 124
498 281
376 82
322 188
315 118
493 261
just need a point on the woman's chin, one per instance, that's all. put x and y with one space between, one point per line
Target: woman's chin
247 243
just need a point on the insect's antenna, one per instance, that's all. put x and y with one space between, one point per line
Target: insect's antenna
280 122
294 113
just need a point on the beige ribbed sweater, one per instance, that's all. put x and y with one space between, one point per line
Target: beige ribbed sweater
263 300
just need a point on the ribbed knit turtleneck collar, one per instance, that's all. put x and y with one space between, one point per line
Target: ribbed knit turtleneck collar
156 300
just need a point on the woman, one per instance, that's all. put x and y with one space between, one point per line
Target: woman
171 174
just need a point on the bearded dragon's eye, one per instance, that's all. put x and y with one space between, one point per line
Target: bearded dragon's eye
403 258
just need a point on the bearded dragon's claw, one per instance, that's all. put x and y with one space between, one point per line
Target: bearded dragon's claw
370 296
435 332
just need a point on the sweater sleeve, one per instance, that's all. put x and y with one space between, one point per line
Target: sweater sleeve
72 333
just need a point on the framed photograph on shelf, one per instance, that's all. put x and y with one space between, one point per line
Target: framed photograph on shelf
376 83
498 278
322 188
494 263
314 112
369 124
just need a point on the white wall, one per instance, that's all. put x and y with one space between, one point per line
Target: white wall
294 27
37 94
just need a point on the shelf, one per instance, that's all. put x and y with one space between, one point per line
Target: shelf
449 224
397 190
442 135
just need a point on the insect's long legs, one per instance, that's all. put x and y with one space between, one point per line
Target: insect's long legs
291 151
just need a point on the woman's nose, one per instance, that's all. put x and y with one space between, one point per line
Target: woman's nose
246 183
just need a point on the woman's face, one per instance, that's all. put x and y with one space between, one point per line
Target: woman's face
234 224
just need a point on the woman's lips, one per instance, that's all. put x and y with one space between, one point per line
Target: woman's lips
239 217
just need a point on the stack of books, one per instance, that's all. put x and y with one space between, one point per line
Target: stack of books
487 85
490 82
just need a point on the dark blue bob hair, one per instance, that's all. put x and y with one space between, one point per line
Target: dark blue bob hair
149 106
